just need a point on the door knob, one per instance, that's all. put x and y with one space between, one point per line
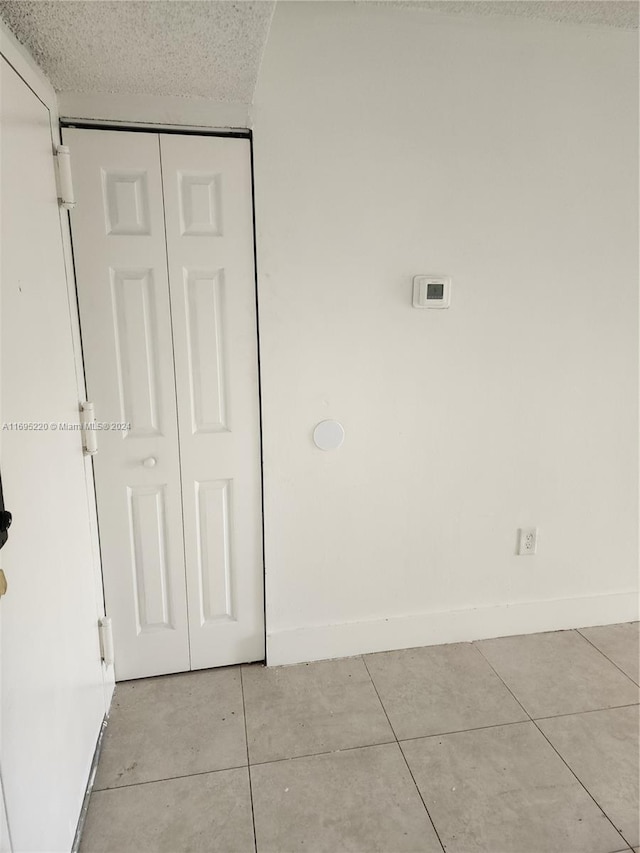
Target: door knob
150 462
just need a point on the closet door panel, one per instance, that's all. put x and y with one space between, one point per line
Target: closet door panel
209 226
123 293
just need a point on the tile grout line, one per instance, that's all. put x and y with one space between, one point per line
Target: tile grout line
168 778
582 785
319 754
463 731
246 738
379 743
588 711
613 663
404 757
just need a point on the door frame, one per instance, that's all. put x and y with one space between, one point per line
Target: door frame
182 130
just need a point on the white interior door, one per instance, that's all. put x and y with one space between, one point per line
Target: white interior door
163 243
209 225
52 678
121 272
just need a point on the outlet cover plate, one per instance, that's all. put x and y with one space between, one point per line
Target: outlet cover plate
527 541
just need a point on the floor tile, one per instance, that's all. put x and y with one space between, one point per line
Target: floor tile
358 800
601 747
620 643
440 689
558 673
172 726
504 790
209 812
311 708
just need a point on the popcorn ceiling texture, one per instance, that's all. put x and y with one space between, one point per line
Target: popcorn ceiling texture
148 47
209 48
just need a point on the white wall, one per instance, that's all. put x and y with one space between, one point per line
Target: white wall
153 109
394 142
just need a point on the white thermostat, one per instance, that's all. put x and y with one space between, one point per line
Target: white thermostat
431 291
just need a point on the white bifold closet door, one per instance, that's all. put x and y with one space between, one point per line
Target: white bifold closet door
163 246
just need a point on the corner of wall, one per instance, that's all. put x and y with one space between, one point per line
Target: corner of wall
19 58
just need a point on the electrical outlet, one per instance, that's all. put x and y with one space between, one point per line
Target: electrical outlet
528 541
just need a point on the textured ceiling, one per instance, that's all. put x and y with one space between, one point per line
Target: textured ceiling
191 48
208 48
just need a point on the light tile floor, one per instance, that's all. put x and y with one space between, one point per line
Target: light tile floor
517 745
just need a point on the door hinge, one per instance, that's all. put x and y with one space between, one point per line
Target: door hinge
106 640
89 432
66 197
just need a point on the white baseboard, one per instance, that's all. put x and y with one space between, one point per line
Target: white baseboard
320 642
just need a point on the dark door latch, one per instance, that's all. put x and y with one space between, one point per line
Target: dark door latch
5 519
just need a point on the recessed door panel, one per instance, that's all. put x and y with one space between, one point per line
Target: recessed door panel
215 559
205 318
136 335
126 202
200 204
148 531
